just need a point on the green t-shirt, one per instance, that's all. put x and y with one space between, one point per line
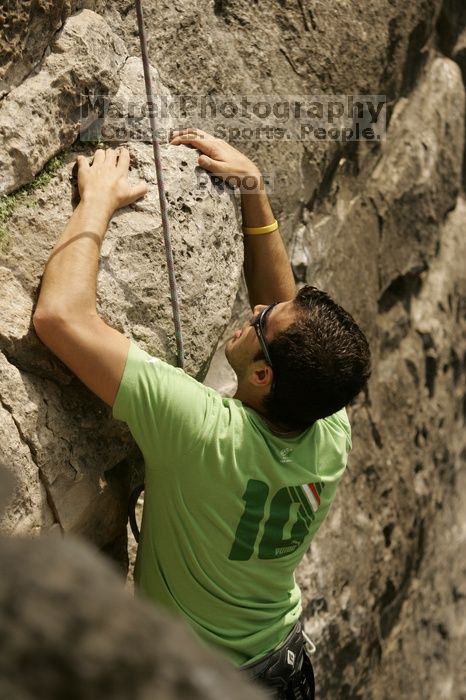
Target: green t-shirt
229 508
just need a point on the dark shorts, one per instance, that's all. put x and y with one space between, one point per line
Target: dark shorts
286 672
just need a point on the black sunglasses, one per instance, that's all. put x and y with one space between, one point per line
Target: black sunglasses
259 325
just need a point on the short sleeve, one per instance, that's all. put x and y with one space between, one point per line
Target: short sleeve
343 421
157 401
340 428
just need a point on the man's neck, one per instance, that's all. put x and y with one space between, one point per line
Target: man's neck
280 430
256 405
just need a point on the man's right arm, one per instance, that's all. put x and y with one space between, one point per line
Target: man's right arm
267 268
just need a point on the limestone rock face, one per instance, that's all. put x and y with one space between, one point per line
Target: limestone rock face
286 49
26 32
74 462
70 436
41 116
379 225
418 177
376 608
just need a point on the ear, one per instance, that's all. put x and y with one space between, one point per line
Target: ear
261 376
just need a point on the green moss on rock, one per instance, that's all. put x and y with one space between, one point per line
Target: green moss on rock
10 202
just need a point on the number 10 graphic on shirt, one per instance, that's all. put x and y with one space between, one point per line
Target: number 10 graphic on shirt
291 513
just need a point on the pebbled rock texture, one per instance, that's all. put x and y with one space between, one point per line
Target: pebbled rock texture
378 225
41 116
69 435
73 461
26 32
408 459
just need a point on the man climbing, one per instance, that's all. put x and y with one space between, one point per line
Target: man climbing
235 488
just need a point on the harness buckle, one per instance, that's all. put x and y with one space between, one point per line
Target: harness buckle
308 643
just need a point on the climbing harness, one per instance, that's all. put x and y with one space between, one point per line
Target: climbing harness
286 672
166 232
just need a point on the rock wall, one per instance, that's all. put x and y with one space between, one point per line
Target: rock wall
72 459
378 225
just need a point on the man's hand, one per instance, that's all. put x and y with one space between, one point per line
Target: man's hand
217 156
267 269
106 181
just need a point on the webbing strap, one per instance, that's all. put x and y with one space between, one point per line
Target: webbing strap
161 188
133 499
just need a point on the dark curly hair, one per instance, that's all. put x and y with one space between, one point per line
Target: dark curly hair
320 362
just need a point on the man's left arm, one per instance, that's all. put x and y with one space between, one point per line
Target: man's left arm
66 318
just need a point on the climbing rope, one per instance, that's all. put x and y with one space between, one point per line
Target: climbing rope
161 187
166 234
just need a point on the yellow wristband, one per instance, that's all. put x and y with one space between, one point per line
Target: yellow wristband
252 230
